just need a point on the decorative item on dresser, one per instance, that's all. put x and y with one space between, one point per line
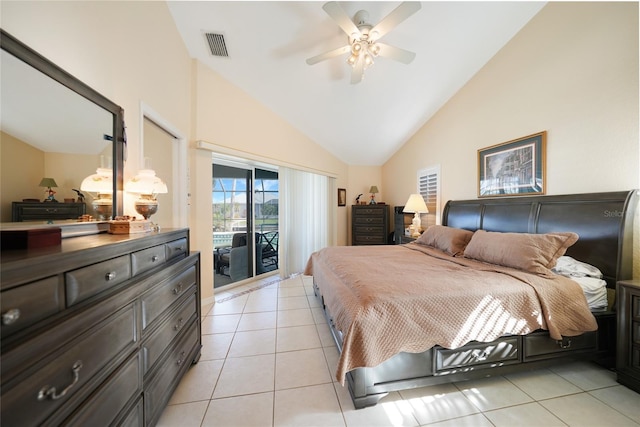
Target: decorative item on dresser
373 190
628 351
46 211
99 330
369 224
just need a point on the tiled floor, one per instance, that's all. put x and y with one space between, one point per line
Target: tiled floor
268 360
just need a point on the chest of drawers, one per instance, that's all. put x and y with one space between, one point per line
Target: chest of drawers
98 331
369 224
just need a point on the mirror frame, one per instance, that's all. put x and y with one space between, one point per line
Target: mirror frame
29 56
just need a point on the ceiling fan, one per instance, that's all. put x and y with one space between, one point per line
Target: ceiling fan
363 43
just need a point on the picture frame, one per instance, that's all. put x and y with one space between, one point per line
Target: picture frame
342 197
513 168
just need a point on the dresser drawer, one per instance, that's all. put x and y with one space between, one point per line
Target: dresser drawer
158 391
112 398
497 353
369 211
85 282
157 300
26 304
542 344
177 248
51 384
152 348
370 239
147 259
369 220
135 417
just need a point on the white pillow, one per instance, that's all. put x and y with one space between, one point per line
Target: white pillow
567 266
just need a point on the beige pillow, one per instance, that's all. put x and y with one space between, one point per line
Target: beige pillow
447 239
535 253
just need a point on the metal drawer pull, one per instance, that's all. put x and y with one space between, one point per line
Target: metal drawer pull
179 361
177 289
564 342
154 258
179 249
110 276
50 392
481 356
11 316
178 325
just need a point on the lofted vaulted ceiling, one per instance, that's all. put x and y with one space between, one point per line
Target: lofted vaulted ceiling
362 124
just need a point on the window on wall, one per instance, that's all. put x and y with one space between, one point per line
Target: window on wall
429 188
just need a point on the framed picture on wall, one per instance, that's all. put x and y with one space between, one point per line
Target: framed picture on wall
342 197
513 168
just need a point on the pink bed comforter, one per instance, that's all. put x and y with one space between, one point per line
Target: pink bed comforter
390 299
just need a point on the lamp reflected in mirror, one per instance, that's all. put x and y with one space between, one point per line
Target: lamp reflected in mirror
49 183
101 184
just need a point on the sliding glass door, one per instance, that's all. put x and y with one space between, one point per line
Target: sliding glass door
245 222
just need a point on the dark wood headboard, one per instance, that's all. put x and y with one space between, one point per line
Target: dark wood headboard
604 222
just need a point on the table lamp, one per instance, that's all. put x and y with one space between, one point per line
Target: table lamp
147 185
49 183
415 205
373 190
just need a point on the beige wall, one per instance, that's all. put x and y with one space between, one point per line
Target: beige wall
572 71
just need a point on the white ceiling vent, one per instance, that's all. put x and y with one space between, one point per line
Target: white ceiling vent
217 46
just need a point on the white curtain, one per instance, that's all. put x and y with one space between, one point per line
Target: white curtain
306 217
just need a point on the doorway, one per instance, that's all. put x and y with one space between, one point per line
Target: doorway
245 221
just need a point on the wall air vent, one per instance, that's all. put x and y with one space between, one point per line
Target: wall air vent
217 46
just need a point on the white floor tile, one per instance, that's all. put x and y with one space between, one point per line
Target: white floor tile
438 403
620 398
233 306
587 376
542 384
390 411
252 343
297 338
256 321
198 383
527 415
215 346
477 420
307 406
297 291
493 393
292 303
252 410
299 317
245 375
184 415
222 323
301 368
585 410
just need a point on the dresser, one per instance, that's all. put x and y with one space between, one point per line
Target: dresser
99 330
401 221
628 348
46 211
369 224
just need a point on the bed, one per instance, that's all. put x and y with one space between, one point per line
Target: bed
414 315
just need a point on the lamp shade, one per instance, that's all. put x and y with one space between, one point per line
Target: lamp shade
100 182
415 204
373 189
48 182
146 182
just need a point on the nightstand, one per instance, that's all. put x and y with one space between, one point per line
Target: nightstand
628 342
406 239
43 211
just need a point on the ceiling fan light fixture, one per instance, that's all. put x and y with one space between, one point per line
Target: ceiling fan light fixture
352 59
368 60
374 49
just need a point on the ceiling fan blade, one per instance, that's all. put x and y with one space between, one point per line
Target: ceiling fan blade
328 55
396 53
358 71
338 14
397 15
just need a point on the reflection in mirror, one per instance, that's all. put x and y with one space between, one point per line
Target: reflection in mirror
52 125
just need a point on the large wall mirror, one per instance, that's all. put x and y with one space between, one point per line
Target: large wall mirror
52 125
